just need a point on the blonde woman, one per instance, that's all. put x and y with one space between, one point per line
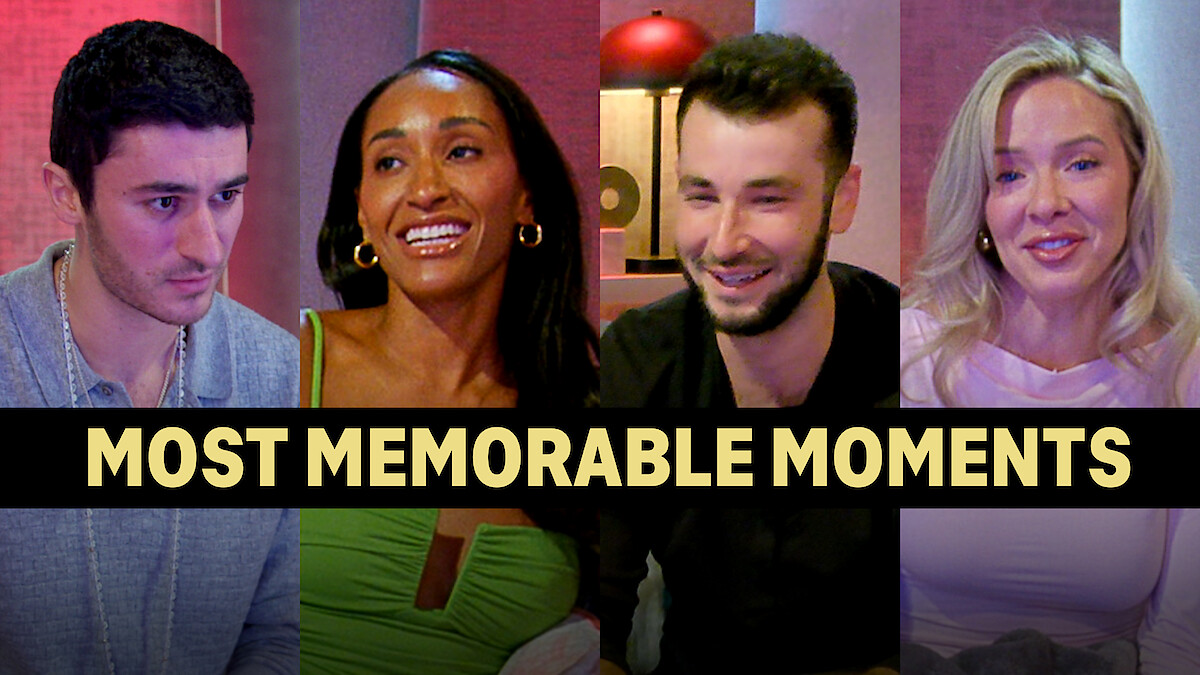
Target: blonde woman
1046 279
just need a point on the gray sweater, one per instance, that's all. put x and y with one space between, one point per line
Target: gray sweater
234 573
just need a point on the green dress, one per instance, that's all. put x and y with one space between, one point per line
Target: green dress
360 569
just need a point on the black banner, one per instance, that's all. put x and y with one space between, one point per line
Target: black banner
600 458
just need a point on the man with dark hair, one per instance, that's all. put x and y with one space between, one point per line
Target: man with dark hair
766 133
149 141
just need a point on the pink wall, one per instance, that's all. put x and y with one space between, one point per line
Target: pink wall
944 47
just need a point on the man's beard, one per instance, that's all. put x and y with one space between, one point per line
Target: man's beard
780 304
124 284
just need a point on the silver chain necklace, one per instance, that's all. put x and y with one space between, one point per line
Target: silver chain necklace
94 568
72 354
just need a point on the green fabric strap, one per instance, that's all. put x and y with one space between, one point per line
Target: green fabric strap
314 400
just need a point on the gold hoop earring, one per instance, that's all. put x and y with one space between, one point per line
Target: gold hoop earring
983 241
524 238
366 265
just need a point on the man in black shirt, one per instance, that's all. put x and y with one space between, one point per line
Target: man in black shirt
766 131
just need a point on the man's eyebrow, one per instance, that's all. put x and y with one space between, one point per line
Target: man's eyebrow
771 182
694 182
168 187
235 182
163 187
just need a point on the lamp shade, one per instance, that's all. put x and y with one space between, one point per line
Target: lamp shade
652 52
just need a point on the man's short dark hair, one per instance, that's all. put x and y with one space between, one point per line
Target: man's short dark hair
140 72
763 75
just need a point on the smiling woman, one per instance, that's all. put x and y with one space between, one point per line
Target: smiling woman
452 237
1046 279
440 192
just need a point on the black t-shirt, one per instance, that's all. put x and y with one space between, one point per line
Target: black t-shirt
768 590
665 355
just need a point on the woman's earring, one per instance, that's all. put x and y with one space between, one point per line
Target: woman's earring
530 235
983 241
358 259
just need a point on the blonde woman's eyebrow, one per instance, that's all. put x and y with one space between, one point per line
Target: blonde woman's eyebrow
1078 140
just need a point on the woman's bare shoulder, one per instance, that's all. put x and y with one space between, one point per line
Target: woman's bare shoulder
354 325
345 334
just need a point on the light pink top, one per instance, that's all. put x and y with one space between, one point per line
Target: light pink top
1080 576
990 377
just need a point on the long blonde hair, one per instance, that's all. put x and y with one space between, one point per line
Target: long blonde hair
959 287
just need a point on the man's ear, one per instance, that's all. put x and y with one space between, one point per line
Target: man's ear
64 197
845 200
